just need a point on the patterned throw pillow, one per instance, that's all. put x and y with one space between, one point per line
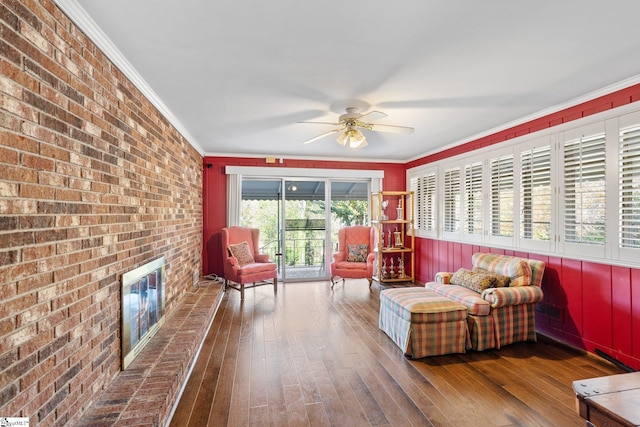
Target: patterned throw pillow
357 253
500 281
242 253
476 281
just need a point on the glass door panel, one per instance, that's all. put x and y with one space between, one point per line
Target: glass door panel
305 230
349 206
261 208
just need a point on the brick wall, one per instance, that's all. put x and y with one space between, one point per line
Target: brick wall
93 182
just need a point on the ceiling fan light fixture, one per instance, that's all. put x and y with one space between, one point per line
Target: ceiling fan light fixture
353 138
357 139
342 138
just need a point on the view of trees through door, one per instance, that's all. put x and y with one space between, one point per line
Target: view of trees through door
296 230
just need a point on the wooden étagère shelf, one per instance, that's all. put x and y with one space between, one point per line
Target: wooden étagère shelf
392 217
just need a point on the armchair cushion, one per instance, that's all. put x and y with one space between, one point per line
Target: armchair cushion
474 302
357 253
242 253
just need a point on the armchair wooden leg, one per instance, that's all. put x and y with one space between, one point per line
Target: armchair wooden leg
275 284
241 291
370 279
333 281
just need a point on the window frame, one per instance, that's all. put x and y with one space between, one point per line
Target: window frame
623 253
499 239
422 195
446 173
533 145
566 247
467 197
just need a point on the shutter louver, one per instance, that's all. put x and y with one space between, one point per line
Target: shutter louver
415 185
535 194
630 187
424 189
502 196
584 190
473 198
429 186
452 200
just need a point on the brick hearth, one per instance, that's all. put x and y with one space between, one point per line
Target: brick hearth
145 393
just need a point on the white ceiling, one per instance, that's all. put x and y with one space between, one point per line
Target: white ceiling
236 76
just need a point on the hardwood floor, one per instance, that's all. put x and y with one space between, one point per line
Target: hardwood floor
310 356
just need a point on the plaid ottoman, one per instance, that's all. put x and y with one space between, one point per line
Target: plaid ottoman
423 323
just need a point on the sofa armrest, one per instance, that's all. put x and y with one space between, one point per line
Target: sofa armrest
443 277
501 297
339 257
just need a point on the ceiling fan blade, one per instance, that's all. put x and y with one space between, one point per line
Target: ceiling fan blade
392 129
315 138
372 116
322 123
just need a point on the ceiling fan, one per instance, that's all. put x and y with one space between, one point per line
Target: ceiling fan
351 124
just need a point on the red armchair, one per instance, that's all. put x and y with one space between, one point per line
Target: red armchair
354 259
242 262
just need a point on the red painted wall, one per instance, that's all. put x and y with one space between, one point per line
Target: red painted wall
215 194
588 305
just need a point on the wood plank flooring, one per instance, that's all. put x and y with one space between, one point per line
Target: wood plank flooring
312 356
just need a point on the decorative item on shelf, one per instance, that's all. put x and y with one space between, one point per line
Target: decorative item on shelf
397 239
389 241
384 204
400 214
392 273
384 269
401 273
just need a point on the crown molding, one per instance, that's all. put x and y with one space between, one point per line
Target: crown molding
81 18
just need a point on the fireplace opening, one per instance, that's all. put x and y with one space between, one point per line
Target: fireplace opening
143 298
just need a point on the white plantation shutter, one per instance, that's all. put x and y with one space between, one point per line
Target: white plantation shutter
430 202
629 187
501 195
424 189
535 193
473 205
452 200
415 185
584 190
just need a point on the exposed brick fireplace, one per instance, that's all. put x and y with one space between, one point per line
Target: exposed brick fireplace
95 182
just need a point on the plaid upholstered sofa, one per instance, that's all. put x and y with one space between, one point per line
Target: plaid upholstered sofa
501 309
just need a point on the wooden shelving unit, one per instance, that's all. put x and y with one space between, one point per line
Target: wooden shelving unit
392 216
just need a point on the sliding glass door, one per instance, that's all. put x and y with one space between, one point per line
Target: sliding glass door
299 220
